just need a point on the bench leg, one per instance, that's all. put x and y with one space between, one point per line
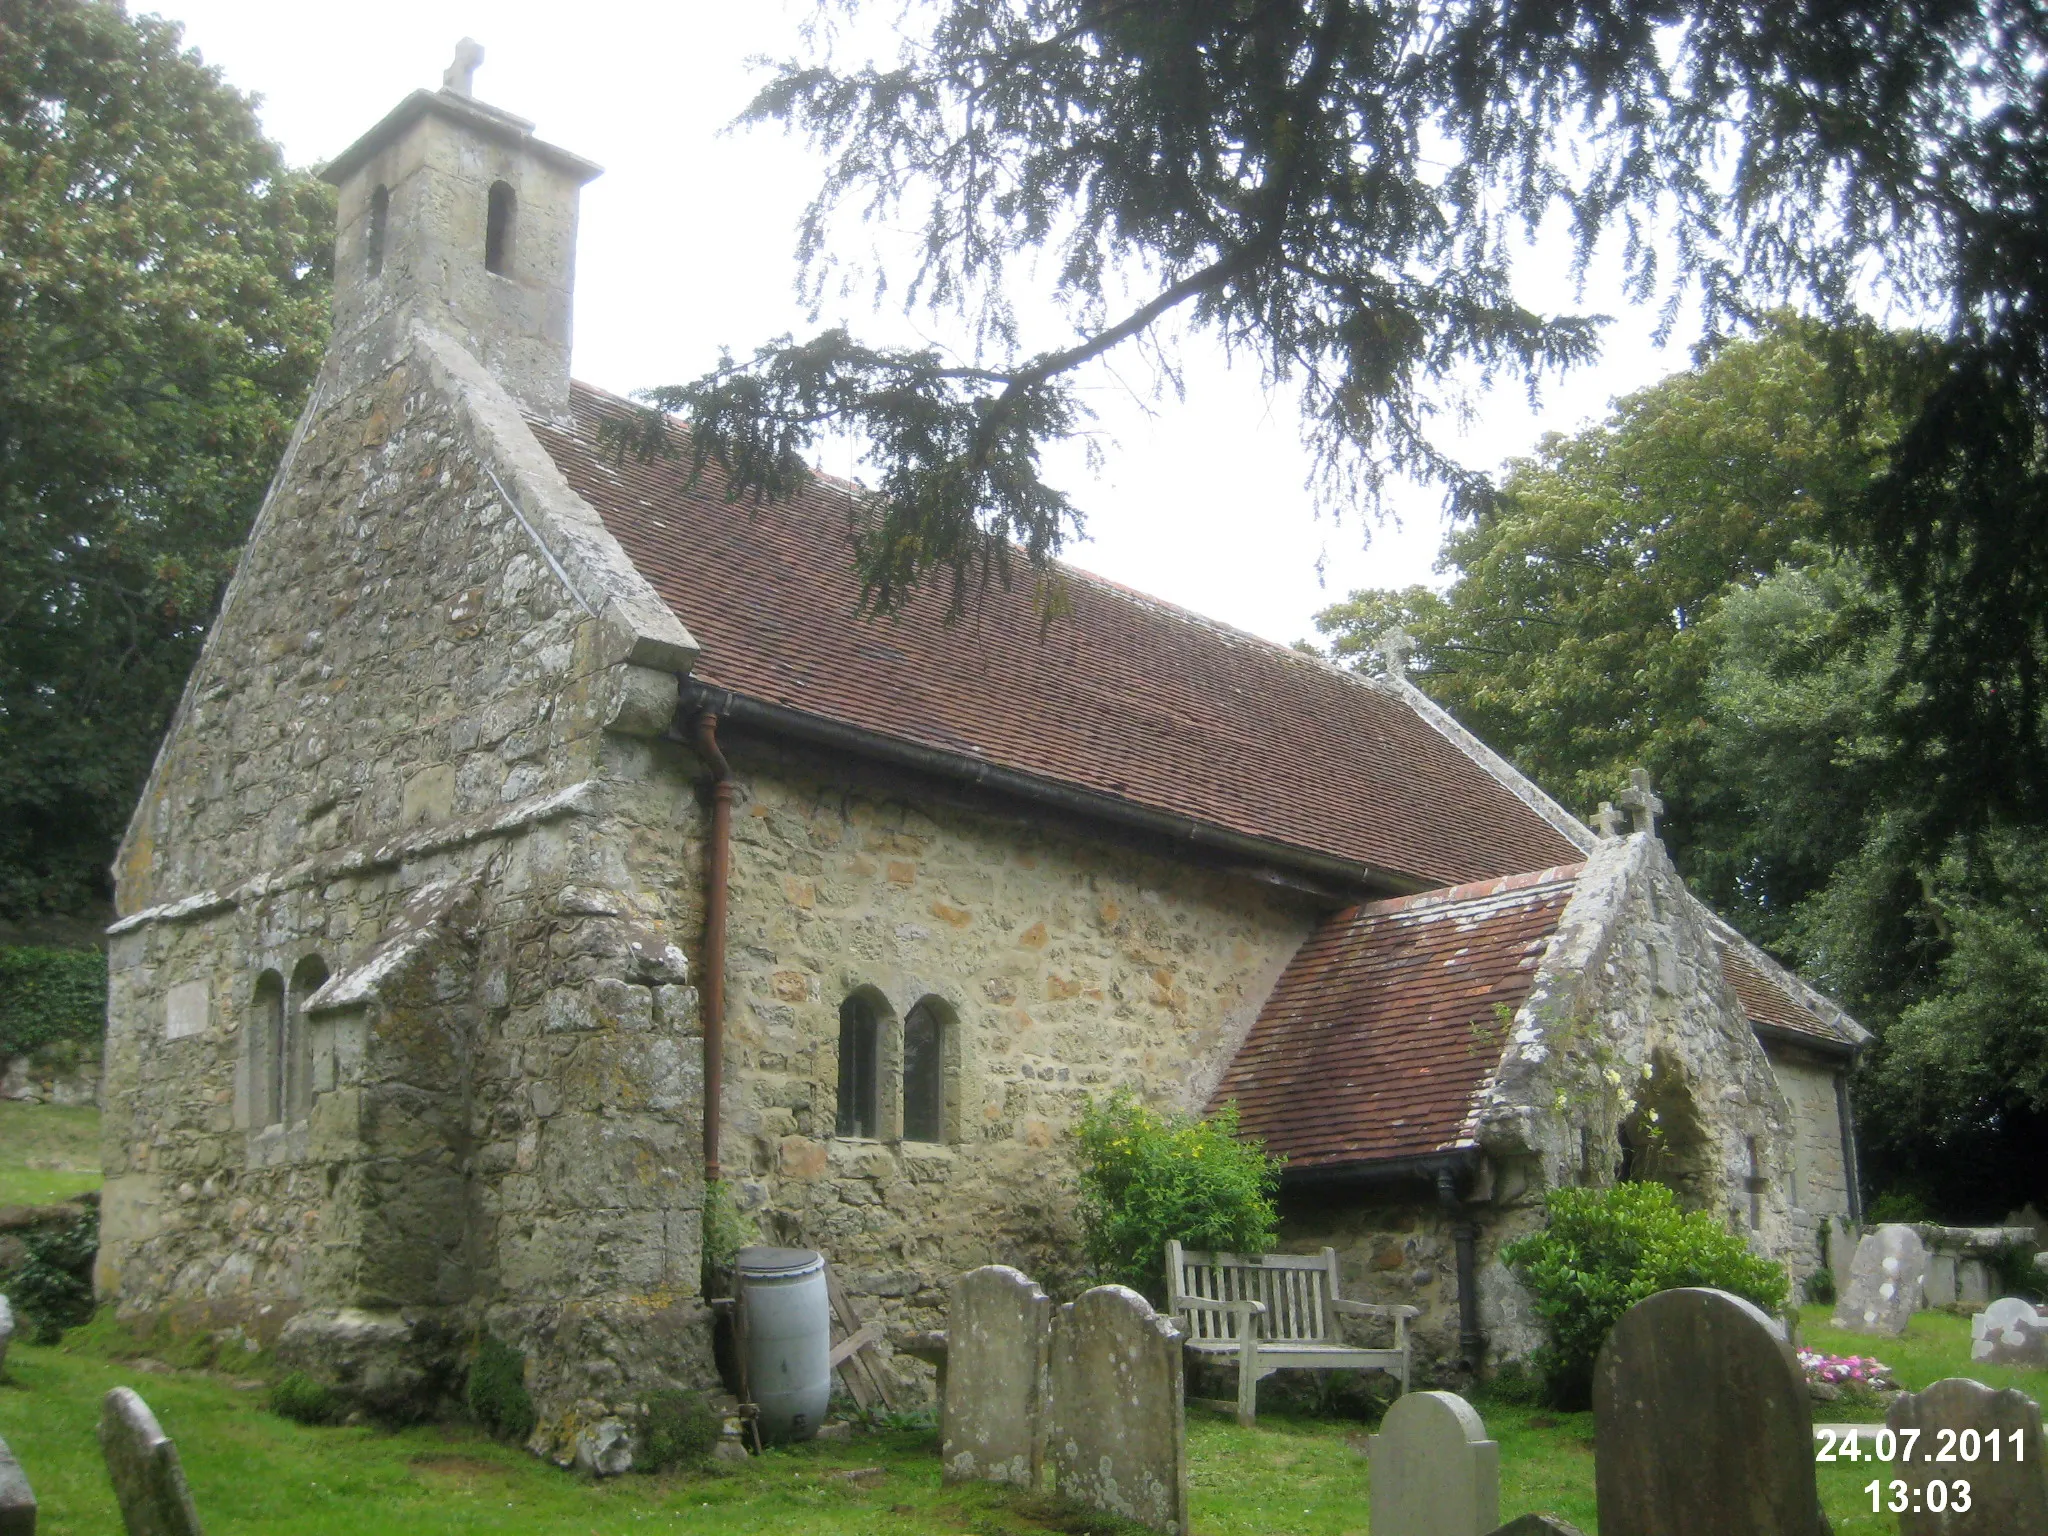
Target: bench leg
1248 1377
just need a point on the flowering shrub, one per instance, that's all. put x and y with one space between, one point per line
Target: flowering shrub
1147 1177
1845 1370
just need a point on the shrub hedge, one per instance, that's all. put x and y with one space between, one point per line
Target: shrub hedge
1603 1251
48 995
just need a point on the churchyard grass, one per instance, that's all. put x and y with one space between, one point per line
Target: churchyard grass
48 1152
253 1472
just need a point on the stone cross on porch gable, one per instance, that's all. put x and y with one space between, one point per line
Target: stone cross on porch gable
1608 822
1396 646
1641 801
459 78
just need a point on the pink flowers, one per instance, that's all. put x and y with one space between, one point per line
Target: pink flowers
1845 1370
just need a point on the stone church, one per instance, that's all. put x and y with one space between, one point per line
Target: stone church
542 836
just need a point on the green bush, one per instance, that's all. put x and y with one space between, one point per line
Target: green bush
51 1289
496 1390
726 1230
305 1401
679 1431
1147 1177
48 995
1603 1251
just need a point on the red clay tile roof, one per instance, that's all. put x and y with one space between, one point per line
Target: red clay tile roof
1386 1023
1766 1003
1123 696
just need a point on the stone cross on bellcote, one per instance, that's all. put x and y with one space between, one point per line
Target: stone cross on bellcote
1641 801
459 78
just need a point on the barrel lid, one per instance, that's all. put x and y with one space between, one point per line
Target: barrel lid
778 1261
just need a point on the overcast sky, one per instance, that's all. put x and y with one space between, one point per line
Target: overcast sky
686 245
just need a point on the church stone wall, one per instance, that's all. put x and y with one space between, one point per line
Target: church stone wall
1820 1182
1070 963
500 1127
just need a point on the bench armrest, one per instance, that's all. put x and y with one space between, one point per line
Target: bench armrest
1205 1304
1373 1309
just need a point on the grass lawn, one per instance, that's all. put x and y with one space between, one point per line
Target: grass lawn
256 1473
48 1152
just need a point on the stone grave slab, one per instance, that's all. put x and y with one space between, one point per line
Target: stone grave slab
2006 1496
1115 1431
17 1499
1537 1525
6 1329
998 1327
142 1463
2011 1331
1701 1423
1434 1472
1886 1280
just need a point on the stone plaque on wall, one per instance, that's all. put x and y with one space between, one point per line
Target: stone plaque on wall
185 1010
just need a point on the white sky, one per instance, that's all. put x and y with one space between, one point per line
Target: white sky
687 244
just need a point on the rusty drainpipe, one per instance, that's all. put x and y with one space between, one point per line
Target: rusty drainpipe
717 878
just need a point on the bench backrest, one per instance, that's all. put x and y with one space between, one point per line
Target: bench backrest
1296 1288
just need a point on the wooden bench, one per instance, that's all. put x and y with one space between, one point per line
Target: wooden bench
1272 1310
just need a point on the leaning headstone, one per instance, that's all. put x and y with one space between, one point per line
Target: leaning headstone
2008 1494
1115 1436
997 1329
17 1499
1537 1525
142 1463
2010 1332
6 1329
1885 1282
1690 1386
1434 1472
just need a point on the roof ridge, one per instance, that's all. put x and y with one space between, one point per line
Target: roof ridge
1475 890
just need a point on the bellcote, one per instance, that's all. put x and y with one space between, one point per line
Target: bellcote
451 211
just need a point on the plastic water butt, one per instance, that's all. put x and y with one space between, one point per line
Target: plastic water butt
789 1338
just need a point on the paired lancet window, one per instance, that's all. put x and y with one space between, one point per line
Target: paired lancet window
896 1080
280 1045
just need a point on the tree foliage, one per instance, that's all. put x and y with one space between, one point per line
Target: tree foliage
48 995
163 307
1334 189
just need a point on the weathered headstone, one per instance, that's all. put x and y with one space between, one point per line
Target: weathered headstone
17 1499
1434 1472
998 1326
6 1329
1115 1435
142 1463
1701 1423
2007 1495
1885 1282
2010 1332
1537 1525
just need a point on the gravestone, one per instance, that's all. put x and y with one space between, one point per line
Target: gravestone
1885 1282
1434 1472
997 1330
1537 1525
17 1499
6 1329
1115 1436
2010 1332
2006 1497
1701 1423
142 1463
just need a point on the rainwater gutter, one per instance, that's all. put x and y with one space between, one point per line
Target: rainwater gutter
1348 880
717 887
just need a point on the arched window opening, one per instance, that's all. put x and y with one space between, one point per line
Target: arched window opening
925 1042
860 1067
498 229
373 239
266 1051
308 978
